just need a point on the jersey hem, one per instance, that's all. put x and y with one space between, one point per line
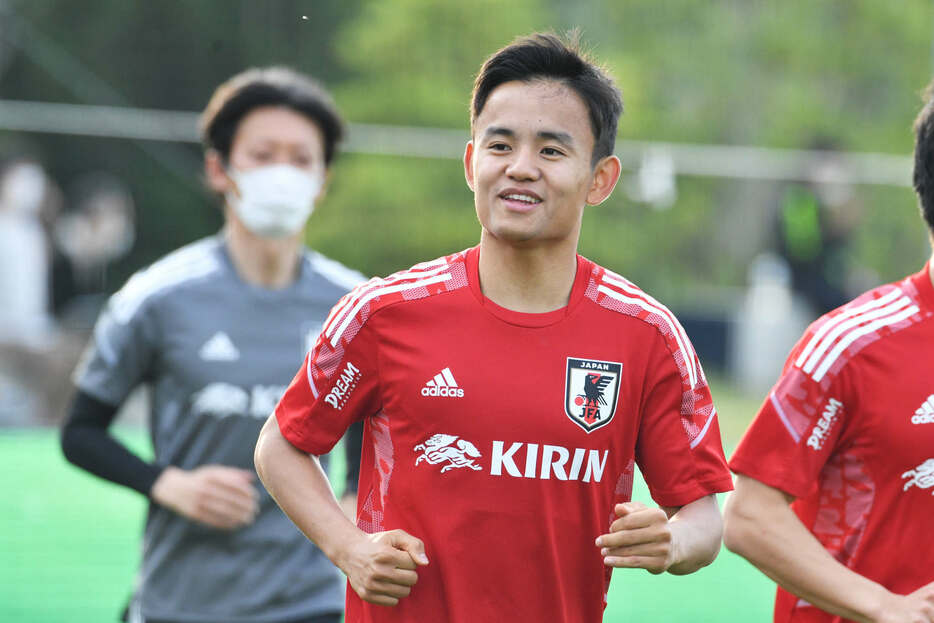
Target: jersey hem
209 618
295 437
695 492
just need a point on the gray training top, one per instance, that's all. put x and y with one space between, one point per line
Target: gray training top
218 353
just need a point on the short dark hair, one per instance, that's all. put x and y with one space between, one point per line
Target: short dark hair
924 157
269 86
547 56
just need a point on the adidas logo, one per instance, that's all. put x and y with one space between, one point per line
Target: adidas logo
219 348
443 385
924 413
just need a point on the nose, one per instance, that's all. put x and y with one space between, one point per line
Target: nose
522 165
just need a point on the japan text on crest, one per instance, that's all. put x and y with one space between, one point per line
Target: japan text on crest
590 391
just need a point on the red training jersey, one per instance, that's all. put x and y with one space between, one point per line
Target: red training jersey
504 439
848 430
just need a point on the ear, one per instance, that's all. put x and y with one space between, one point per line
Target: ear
215 172
468 165
605 176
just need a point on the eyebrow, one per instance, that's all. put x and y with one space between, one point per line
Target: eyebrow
561 137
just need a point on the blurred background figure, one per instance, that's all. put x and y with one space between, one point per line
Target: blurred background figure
216 330
25 254
35 357
98 231
809 266
815 223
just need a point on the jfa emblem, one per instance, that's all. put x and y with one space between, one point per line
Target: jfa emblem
590 392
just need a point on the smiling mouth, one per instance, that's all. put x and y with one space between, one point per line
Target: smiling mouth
521 199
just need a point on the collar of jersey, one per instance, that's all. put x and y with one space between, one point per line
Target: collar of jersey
523 319
259 291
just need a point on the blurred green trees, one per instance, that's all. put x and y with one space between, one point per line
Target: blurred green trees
756 73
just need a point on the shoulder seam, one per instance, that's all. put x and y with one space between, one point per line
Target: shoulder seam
633 295
420 275
174 270
831 340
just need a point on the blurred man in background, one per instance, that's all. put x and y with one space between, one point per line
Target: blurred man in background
508 390
35 356
834 477
216 329
24 255
89 240
814 227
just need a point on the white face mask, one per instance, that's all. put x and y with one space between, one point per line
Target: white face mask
275 200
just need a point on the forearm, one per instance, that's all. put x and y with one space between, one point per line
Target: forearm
86 443
300 487
764 530
696 531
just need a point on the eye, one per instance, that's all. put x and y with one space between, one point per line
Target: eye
261 156
499 147
551 151
301 161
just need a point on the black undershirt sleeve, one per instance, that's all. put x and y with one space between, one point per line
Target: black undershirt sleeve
87 444
353 445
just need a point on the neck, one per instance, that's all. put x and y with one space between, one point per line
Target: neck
530 280
264 262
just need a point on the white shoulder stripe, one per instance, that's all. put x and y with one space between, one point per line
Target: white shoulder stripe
830 324
854 335
688 360
185 256
441 261
635 291
784 418
843 327
336 336
335 272
703 433
311 379
677 329
156 279
339 311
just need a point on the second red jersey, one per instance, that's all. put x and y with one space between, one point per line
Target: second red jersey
849 431
502 439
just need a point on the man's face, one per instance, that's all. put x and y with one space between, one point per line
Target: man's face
273 135
529 163
268 136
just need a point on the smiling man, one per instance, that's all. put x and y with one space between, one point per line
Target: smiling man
508 391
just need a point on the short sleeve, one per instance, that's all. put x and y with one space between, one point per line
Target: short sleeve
120 353
337 385
678 449
797 427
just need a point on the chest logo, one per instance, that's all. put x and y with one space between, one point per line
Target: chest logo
443 384
448 449
922 476
219 348
591 388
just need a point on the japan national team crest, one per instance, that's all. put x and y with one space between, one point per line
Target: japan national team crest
590 392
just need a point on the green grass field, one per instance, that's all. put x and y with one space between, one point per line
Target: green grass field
69 545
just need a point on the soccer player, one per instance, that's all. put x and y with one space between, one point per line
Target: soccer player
834 476
508 391
216 329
